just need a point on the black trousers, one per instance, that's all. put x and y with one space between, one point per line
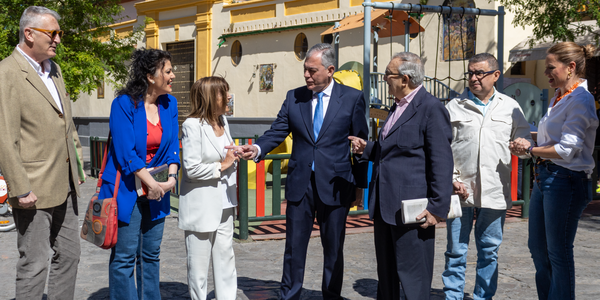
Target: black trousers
404 259
300 217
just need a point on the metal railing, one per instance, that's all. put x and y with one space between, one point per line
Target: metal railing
379 91
380 95
96 154
439 89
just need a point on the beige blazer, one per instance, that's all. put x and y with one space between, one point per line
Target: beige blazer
36 139
201 194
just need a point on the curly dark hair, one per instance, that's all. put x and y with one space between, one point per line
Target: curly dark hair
143 62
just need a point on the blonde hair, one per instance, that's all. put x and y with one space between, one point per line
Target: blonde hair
567 52
204 95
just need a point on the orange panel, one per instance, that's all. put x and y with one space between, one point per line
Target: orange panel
514 177
260 189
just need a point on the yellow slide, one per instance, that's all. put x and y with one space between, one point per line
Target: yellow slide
283 148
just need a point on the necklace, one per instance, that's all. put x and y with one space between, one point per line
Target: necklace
568 92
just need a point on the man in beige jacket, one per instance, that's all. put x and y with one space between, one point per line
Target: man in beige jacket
38 159
484 121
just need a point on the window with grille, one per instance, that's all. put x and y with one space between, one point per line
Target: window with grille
300 46
236 53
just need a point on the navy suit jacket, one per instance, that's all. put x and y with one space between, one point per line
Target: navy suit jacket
330 152
414 160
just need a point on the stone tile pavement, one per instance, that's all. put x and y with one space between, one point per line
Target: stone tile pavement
259 264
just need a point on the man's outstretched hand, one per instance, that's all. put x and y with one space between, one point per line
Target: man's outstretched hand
246 151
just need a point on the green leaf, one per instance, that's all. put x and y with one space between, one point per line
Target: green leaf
85 60
552 19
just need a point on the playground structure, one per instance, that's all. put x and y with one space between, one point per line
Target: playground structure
418 8
368 92
372 84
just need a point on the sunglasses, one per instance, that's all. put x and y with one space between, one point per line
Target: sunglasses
53 33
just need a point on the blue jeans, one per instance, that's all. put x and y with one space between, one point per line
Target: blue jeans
488 237
138 246
557 202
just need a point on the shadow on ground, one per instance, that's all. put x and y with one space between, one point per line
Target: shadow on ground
366 287
269 289
168 291
259 289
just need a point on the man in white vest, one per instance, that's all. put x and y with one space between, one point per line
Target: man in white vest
484 121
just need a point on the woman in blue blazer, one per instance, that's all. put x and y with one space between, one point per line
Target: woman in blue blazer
144 128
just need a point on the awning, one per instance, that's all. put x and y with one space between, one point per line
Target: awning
523 52
380 19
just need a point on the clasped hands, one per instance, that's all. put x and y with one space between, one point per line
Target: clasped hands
158 190
250 151
519 146
246 151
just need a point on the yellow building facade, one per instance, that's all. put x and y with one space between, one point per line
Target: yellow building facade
241 40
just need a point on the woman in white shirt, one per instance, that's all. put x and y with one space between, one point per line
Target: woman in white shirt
208 190
563 186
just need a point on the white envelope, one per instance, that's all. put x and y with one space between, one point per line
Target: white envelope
414 207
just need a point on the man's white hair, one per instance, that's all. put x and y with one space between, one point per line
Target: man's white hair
31 18
412 66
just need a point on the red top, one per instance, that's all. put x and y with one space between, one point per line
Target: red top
153 140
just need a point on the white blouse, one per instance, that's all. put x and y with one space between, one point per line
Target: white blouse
571 127
227 202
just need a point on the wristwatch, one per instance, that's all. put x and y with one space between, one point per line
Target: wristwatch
174 176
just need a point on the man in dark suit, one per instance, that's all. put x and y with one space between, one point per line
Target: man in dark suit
412 159
320 180
38 159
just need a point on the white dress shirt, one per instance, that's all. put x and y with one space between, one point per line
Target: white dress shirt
571 127
326 96
45 76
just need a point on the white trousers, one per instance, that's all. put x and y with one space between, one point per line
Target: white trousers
200 246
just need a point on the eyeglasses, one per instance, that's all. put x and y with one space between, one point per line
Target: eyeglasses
478 74
388 74
52 33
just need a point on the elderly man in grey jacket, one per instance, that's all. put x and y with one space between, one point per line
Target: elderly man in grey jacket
484 121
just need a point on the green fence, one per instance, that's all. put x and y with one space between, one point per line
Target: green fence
97 151
244 214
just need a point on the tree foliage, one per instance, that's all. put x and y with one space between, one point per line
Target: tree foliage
88 52
552 18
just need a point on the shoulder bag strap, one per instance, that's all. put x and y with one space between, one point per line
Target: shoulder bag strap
104 159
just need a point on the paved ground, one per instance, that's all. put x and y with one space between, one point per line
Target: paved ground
259 264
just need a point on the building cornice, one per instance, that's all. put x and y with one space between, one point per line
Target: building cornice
163 5
121 24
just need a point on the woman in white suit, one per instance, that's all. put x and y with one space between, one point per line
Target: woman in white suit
208 190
